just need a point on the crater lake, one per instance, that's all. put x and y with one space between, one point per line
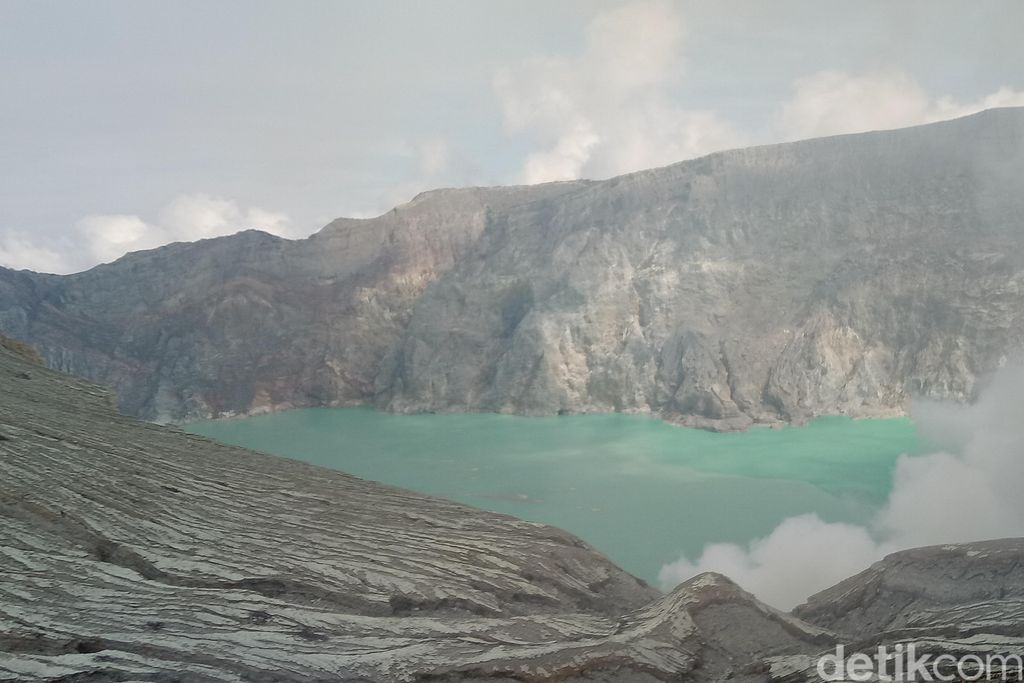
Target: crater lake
638 489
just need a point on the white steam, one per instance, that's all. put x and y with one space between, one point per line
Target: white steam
967 491
19 249
614 107
832 102
610 109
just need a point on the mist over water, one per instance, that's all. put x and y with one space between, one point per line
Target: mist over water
968 488
642 491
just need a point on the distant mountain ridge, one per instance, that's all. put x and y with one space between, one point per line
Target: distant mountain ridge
839 275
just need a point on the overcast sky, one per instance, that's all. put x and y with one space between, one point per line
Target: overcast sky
124 125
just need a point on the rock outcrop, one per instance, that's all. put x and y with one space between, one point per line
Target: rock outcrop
960 585
832 276
960 600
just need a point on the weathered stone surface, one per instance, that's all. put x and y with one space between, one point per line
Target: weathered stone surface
963 599
927 588
840 275
131 551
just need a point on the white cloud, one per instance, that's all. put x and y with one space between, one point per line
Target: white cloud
969 490
193 217
430 162
275 222
111 236
186 218
21 251
609 110
949 108
834 102
434 156
101 238
198 216
566 159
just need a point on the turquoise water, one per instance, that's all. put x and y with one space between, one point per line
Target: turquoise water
640 490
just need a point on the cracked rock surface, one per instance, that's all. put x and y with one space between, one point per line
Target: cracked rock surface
962 600
842 275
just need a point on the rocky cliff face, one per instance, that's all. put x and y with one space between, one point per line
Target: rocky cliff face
833 276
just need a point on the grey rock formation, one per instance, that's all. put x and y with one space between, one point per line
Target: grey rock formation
963 584
961 600
131 551
833 276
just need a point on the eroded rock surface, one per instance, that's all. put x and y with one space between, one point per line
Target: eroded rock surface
963 600
923 586
833 276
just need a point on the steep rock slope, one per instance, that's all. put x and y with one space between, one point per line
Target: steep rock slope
964 600
926 587
839 275
131 551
